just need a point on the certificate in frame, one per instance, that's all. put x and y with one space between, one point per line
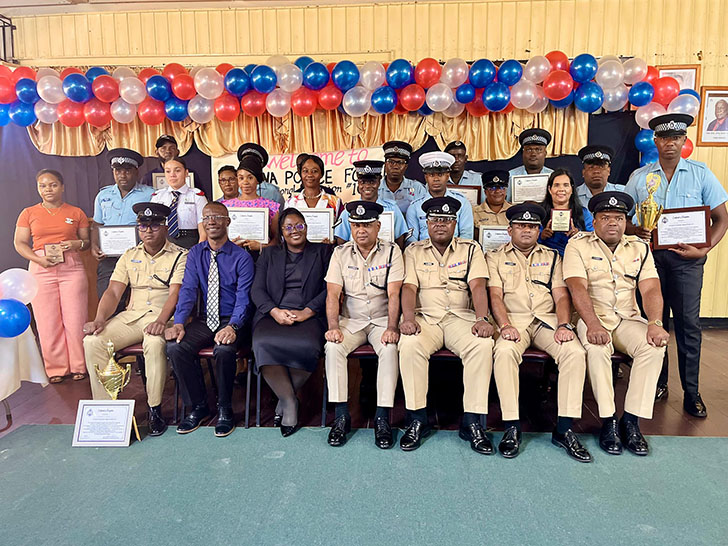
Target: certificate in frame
528 187
320 224
492 237
471 193
689 225
386 232
103 423
249 223
115 240
159 182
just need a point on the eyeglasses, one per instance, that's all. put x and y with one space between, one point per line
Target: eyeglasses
495 188
215 218
227 180
149 227
443 221
397 162
294 227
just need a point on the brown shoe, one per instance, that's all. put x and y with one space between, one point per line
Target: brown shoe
78 376
56 379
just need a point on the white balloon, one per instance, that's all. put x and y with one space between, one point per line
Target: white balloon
373 112
646 113
278 103
635 70
209 83
46 112
290 77
523 94
200 109
372 75
50 89
45 71
123 72
277 61
195 69
541 102
454 110
439 97
610 74
18 284
356 101
616 98
122 111
684 104
132 90
455 73
537 68
606 58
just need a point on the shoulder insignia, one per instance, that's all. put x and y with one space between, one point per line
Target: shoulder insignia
155 193
202 193
635 239
580 235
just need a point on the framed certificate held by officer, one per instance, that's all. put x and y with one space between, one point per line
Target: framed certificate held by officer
690 225
561 220
320 224
249 223
115 240
492 237
471 193
159 182
386 232
528 187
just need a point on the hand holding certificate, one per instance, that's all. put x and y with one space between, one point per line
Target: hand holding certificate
561 220
529 187
249 223
115 240
320 224
690 226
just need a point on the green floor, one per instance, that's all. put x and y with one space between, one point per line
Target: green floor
257 488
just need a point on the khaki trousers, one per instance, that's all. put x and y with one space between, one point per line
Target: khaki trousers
629 337
122 335
570 358
337 361
455 334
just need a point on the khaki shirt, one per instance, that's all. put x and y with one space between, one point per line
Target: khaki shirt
365 294
611 277
137 269
523 281
440 279
484 215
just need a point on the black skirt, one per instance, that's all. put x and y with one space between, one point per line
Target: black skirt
297 346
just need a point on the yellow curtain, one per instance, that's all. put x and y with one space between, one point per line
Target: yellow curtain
487 138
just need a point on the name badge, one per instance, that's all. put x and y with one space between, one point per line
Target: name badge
597 258
353 267
509 263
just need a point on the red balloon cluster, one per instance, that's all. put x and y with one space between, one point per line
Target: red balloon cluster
183 87
329 98
412 97
304 102
253 103
151 112
227 107
666 89
558 84
105 88
427 72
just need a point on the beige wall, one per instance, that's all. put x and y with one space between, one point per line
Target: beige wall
661 31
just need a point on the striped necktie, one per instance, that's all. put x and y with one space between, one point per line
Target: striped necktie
213 294
172 222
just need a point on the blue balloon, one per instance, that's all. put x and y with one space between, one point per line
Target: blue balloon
496 96
465 93
425 110
77 88
510 72
263 79
399 73
237 82
26 91
645 140
690 92
589 97
21 114
563 103
159 88
345 75
316 76
94 72
302 62
650 156
482 74
4 114
14 316
641 93
583 68
249 68
176 109
384 100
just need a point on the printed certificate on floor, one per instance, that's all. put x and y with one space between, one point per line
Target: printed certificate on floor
103 423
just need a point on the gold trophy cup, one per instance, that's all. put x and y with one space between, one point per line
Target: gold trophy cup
648 211
114 378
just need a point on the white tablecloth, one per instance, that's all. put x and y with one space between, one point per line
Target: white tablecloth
20 361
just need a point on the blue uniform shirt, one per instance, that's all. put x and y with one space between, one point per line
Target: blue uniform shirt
408 191
417 220
559 239
111 209
269 191
583 193
343 230
520 171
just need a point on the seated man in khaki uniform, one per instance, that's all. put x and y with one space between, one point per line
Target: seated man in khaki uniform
444 303
603 271
153 270
367 272
531 304
493 207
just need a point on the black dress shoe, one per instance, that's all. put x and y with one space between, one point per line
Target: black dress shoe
383 438
339 430
609 439
196 417
277 420
572 445
661 393
286 431
694 405
510 444
413 435
225 422
479 441
633 439
157 423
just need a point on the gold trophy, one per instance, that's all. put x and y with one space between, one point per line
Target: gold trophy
114 378
648 212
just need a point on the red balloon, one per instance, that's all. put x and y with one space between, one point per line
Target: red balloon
303 102
172 70
329 97
224 68
399 109
427 72
5 72
558 84
70 70
666 89
558 60
652 74
687 149
151 111
105 88
7 91
97 113
146 73
183 87
475 107
227 107
253 103
23 72
70 113
507 109
412 97
330 67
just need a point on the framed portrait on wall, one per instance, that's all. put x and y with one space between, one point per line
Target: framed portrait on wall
713 117
687 75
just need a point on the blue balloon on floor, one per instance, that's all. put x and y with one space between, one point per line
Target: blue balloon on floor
496 96
384 100
465 93
641 93
589 97
14 318
645 140
482 74
650 156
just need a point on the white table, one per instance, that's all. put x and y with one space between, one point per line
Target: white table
20 360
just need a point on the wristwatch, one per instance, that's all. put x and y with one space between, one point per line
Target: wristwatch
235 327
656 322
566 325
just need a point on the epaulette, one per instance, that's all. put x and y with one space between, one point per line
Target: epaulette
202 193
580 235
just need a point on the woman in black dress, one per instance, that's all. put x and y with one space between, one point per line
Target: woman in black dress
289 294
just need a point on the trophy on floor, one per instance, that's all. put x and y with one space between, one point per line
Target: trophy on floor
114 378
648 211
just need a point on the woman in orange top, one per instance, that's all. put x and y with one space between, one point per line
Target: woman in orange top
61 305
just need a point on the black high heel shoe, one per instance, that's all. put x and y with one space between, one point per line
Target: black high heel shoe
287 431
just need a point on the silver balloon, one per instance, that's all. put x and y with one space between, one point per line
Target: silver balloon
684 104
454 110
132 90
123 72
122 111
455 73
372 75
45 71
610 74
645 113
278 103
290 77
50 89
45 112
616 98
439 97
200 109
356 101
277 61
209 83
635 70
606 58
195 69
523 94
541 102
537 68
